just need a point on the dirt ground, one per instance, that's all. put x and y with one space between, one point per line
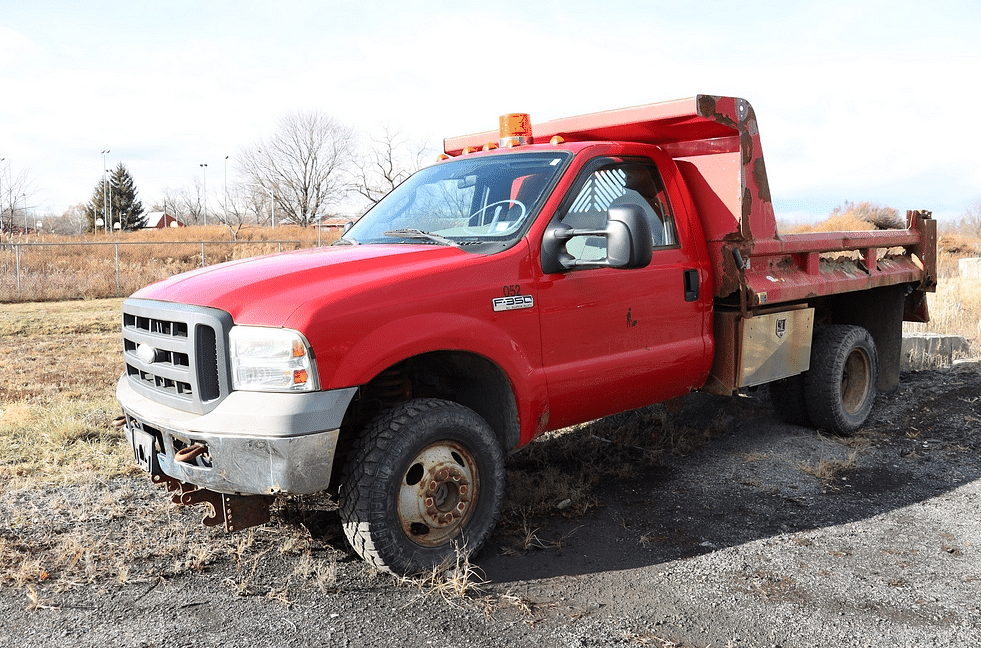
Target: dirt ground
765 535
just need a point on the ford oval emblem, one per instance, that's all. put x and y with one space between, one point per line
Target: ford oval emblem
146 353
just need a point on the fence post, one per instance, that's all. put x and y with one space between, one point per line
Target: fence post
118 289
17 257
202 254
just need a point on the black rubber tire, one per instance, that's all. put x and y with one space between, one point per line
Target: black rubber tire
425 480
787 399
840 386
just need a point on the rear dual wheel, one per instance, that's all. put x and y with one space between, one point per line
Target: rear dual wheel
840 386
425 482
839 389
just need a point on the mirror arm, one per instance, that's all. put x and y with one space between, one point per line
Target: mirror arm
568 234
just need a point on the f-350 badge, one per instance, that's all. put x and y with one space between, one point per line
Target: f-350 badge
513 303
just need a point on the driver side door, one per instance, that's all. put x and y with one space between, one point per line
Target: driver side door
618 339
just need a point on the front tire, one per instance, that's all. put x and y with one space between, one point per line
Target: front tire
425 481
840 386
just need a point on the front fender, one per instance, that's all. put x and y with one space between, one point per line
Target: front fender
424 333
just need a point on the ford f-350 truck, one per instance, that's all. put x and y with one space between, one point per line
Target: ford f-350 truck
536 277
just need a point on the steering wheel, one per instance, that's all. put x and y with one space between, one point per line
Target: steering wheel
503 206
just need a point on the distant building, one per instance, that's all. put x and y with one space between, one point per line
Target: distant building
161 220
335 222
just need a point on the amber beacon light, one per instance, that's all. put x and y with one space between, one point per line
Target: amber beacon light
515 129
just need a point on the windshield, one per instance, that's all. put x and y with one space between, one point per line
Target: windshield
465 201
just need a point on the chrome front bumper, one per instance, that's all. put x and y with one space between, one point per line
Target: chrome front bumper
252 443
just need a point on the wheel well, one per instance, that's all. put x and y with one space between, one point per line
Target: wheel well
466 378
880 312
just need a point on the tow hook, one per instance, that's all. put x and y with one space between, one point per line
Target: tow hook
190 453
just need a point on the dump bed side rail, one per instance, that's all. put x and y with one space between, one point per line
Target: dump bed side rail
802 266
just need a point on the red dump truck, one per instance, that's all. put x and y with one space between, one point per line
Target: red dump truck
536 277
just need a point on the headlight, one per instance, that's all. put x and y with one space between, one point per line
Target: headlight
268 359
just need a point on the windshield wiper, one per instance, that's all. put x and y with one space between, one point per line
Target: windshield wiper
410 233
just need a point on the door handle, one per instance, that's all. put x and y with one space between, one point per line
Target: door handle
691 285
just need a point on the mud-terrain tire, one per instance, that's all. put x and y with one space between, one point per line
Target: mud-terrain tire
840 386
424 482
787 399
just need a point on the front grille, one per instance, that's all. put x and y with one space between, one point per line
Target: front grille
175 353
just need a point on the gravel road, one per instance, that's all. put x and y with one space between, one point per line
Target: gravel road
768 535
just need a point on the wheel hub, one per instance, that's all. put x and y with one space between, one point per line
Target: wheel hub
437 493
855 381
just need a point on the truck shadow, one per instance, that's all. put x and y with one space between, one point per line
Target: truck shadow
755 478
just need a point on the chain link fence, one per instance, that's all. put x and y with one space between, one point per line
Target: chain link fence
57 271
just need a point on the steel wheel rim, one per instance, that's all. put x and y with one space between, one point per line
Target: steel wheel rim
855 380
438 493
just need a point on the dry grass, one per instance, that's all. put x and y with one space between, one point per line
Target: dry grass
847 222
65 353
560 473
65 442
86 267
74 510
830 469
454 581
955 308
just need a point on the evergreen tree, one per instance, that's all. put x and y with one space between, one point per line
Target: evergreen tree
123 207
95 209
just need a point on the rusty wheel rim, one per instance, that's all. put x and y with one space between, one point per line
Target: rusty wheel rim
438 493
855 380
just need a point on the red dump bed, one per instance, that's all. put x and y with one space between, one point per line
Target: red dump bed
715 141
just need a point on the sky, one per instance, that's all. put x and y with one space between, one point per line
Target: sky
857 100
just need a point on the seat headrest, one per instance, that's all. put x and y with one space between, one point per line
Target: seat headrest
638 177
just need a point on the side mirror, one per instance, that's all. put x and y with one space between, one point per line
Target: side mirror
629 243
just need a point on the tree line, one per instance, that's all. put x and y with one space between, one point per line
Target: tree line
311 169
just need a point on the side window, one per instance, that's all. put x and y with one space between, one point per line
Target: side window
619 184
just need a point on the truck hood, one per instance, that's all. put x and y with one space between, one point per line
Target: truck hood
267 290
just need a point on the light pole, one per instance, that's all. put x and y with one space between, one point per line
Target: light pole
109 199
1 197
205 174
224 205
105 194
272 207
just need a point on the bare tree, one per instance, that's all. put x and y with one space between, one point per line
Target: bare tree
243 206
970 224
305 166
15 193
390 159
72 222
172 203
186 205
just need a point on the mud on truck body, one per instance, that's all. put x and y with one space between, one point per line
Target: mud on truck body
533 279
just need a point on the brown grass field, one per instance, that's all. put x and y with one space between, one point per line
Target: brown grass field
59 267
